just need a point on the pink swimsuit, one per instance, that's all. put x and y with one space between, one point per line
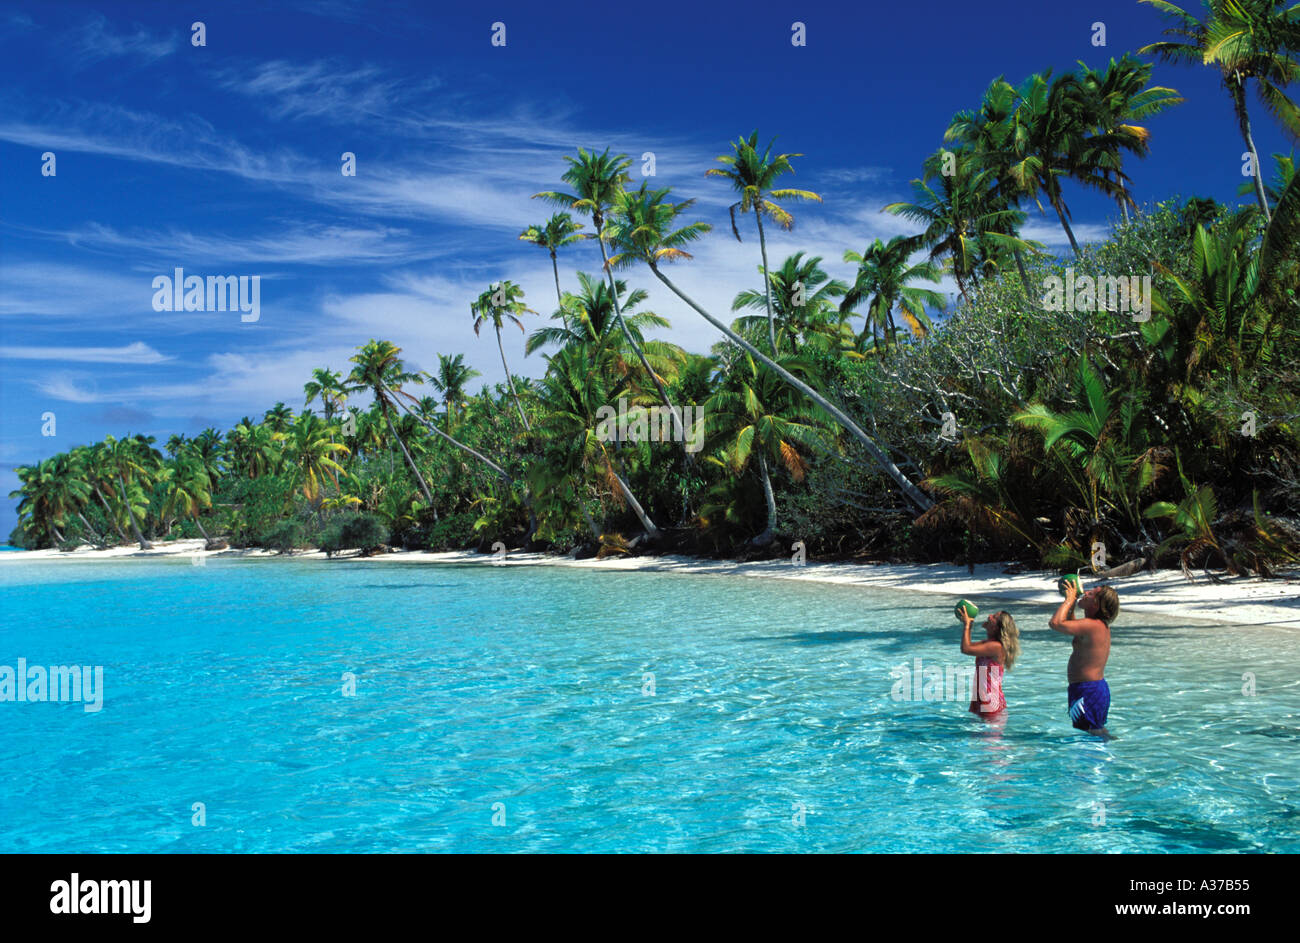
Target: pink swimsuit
988 687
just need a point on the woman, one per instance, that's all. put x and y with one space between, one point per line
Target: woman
993 656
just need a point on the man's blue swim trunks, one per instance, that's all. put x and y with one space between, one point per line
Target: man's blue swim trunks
1089 703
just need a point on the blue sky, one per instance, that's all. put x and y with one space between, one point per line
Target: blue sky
225 160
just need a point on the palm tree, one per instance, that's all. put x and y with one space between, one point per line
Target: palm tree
132 461
44 499
752 176
642 229
802 297
884 276
596 181
756 414
1246 39
961 216
1095 446
575 393
254 448
278 418
589 322
503 301
379 370
989 138
189 490
1051 141
328 385
556 233
1116 99
310 447
452 377
94 462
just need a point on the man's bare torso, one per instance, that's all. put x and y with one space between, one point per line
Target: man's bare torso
1088 659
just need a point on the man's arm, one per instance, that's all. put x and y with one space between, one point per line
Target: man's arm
1064 621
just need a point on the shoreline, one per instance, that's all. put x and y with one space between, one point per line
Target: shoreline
1165 594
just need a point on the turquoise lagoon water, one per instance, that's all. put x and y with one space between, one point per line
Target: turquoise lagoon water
521 694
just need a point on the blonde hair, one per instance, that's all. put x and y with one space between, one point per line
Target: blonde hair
1107 604
1009 636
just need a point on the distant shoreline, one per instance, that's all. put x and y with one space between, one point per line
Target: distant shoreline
1165 594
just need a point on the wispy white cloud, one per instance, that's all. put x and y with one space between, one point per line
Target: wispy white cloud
323 89
136 353
302 243
96 40
56 289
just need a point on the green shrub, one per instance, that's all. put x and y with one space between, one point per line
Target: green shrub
284 537
363 532
452 532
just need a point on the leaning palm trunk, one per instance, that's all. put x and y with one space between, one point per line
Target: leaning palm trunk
633 503
509 379
765 538
501 472
913 494
135 527
110 514
1024 277
90 531
1055 200
1238 91
424 488
767 281
586 516
678 428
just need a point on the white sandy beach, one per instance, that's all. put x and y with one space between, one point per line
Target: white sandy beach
1165 594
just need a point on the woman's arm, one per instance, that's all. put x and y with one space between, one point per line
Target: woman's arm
987 647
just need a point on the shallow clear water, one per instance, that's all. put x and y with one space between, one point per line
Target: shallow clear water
526 686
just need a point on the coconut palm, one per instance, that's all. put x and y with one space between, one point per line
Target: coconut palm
1247 40
1051 143
757 415
328 385
94 463
575 394
1117 99
504 301
189 490
751 175
309 449
988 137
596 182
802 301
556 233
588 321
451 379
278 418
884 280
962 217
132 461
255 448
380 371
44 498
644 229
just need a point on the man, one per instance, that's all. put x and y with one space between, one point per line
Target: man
1088 695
